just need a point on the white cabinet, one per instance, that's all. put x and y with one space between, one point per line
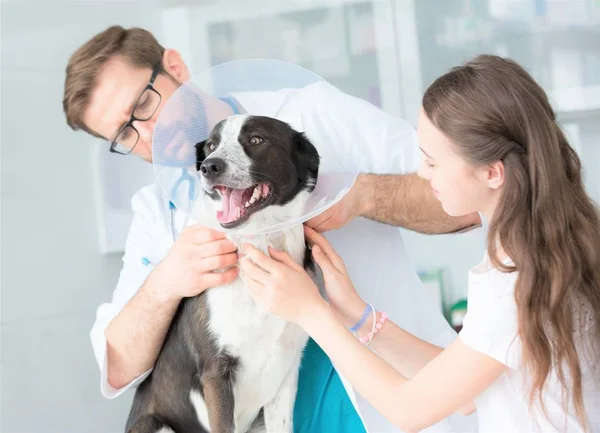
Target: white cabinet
349 43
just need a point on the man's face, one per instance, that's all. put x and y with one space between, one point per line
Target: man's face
111 103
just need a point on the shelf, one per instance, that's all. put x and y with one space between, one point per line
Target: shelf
575 101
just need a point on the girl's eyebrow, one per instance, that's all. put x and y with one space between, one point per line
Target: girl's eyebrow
426 154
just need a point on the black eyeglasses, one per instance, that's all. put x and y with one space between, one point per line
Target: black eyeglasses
144 109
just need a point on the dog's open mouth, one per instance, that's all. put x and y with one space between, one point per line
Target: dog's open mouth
239 204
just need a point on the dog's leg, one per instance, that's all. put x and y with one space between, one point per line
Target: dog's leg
217 384
279 412
150 424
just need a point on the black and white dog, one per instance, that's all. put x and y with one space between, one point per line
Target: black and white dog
228 366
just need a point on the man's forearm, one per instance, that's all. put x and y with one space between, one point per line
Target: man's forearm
135 336
408 201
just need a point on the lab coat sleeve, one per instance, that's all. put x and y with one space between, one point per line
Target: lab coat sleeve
143 240
378 142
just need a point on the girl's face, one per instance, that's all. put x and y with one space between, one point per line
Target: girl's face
461 187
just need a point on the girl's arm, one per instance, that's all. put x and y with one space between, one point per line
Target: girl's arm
407 353
451 381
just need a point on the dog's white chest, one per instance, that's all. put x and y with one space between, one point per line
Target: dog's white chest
245 329
267 347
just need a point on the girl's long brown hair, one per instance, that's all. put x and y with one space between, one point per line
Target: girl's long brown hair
493 110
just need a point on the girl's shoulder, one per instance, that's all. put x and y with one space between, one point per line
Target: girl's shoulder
486 280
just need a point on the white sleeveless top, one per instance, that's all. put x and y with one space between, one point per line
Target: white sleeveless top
490 327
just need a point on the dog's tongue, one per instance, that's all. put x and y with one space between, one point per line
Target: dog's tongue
232 205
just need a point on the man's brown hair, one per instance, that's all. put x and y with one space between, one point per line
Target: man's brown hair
137 46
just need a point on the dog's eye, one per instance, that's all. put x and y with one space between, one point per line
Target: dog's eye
255 140
211 147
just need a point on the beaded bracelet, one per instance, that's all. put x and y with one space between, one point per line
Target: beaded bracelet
361 321
377 325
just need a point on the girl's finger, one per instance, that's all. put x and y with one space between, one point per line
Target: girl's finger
256 290
258 257
251 270
323 261
283 257
316 239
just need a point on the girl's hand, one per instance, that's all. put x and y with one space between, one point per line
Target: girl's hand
342 295
281 285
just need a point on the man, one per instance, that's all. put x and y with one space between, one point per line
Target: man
108 94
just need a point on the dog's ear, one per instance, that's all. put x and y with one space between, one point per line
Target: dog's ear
200 153
308 158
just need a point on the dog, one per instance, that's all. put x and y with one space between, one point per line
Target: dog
226 364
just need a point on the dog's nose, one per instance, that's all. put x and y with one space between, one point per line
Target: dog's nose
211 168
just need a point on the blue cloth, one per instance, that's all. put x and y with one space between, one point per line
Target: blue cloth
322 404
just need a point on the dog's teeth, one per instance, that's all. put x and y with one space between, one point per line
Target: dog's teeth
247 204
265 190
252 199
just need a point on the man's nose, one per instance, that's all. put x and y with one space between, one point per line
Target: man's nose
145 128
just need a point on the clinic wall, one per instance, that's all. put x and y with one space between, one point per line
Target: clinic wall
53 275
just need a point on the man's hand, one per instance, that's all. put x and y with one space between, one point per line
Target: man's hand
353 204
134 337
188 268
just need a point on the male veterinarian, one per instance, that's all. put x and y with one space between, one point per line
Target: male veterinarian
105 79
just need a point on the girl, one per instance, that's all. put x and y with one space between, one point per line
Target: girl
527 355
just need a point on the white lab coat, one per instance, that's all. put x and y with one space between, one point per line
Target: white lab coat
374 253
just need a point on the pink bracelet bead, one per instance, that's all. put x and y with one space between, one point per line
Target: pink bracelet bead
369 336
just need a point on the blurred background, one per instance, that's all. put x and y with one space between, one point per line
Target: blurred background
66 200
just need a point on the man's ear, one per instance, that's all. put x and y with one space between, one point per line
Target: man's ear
200 153
174 65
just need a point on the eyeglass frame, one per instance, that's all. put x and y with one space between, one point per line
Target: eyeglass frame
150 86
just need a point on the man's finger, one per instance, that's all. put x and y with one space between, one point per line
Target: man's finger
215 248
202 235
318 223
213 279
209 264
